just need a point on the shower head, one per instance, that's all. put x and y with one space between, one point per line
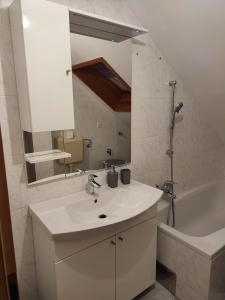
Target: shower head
178 107
176 111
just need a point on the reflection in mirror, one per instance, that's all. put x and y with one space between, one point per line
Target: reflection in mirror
102 100
102 107
42 156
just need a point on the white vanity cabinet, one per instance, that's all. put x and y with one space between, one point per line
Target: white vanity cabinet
135 260
113 263
125 261
42 54
89 274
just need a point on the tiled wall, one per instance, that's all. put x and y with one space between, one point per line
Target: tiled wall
198 276
192 268
90 110
217 279
199 154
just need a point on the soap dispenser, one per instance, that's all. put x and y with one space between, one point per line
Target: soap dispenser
112 178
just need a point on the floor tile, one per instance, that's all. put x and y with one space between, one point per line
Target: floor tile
158 292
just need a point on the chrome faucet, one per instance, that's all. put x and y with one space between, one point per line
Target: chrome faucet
92 184
80 171
167 187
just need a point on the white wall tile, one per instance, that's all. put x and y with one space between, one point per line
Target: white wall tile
7 71
4 16
193 270
23 239
217 286
166 251
184 292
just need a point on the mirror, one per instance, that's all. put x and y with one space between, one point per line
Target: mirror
102 100
102 106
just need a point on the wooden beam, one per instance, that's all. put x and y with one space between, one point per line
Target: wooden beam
105 82
4 290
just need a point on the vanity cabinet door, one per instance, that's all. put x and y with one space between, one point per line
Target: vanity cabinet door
135 260
89 274
42 54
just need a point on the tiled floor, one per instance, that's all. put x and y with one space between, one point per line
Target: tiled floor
157 293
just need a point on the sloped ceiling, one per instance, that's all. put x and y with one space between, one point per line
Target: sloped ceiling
105 82
191 36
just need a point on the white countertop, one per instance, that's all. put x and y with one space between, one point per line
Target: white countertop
80 211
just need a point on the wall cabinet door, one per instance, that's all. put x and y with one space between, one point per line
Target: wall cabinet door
89 274
42 54
135 260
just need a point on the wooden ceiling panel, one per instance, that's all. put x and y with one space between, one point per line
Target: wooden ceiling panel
105 82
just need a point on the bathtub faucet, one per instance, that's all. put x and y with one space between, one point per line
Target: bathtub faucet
167 187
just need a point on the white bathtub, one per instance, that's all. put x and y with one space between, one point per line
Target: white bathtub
195 248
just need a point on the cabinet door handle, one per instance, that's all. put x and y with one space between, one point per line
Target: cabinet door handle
113 243
68 72
120 238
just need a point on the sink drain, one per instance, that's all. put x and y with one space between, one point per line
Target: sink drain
102 216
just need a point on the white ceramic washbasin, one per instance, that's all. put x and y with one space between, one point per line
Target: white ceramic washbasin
80 211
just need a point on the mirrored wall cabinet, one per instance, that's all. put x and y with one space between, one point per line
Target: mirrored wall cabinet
59 87
41 43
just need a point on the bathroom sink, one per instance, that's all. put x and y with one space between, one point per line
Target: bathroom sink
80 211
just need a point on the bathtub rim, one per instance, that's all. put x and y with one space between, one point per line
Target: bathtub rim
210 245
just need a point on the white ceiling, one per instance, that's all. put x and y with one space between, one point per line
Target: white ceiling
191 36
